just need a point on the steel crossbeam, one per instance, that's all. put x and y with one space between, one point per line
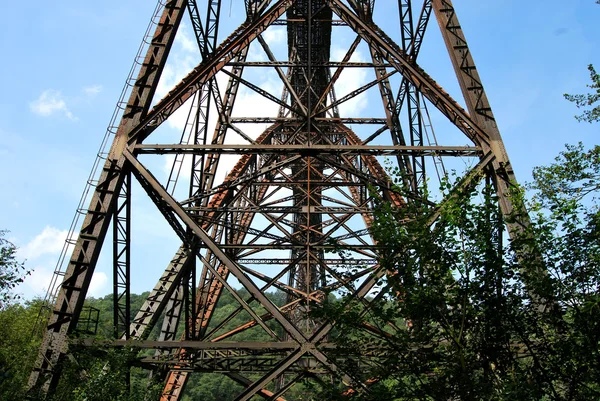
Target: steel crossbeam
302 190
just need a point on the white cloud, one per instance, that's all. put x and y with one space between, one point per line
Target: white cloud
50 241
41 278
49 103
350 79
184 39
41 254
39 281
97 285
182 60
92 90
275 35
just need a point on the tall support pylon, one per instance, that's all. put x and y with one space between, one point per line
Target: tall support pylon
308 175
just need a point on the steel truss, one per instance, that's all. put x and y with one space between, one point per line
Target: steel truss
301 191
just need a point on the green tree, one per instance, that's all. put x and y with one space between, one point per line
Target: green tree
457 316
18 347
570 181
590 100
12 272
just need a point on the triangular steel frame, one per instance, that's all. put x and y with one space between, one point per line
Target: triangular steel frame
308 147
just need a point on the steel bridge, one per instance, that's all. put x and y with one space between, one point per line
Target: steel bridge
301 190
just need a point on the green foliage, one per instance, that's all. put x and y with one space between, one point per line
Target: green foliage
588 99
96 374
12 272
567 183
211 387
106 307
460 303
18 347
457 316
99 373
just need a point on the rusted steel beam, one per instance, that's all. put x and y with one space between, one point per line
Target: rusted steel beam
264 346
156 301
413 107
480 109
285 121
329 64
102 205
291 246
329 262
472 151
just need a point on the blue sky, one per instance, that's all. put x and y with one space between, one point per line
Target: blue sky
66 62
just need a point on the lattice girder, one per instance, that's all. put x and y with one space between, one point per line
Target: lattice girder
302 190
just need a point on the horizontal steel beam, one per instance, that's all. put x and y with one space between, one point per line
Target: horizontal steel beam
310 149
199 345
328 262
335 247
284 209
292 120
331 64
334 22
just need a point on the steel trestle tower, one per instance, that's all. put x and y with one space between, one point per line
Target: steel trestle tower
301 189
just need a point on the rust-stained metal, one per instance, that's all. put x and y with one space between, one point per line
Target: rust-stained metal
69 302
304 188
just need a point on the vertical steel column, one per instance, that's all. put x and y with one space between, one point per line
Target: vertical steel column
206 36
413 107
122 260
122 266
409 171
207 40
189 298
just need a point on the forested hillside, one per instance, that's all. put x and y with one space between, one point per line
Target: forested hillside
19 345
